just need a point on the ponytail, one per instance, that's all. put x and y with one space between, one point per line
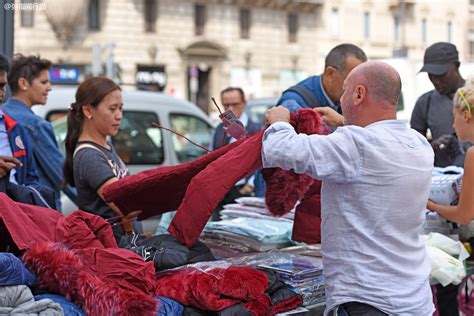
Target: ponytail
75 117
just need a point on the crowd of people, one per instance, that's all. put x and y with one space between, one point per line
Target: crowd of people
375 171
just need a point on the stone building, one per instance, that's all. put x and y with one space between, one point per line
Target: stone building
195 48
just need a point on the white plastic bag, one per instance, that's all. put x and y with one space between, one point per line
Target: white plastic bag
448 245
445 268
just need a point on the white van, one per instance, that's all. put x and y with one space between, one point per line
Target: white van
141 145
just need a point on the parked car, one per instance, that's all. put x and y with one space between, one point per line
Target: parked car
256 108
139 144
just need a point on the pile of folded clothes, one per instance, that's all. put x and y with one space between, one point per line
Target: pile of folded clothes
77 258
302 274
253 207
247 227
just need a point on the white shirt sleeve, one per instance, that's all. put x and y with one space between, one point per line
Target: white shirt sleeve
334 157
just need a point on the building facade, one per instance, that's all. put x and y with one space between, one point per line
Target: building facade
195 48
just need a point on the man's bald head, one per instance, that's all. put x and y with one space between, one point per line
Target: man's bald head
382 81
370 94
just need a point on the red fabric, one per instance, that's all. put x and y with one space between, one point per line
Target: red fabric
285 187
287 305
217 288
159 190
209 187
27 224
307 222
195 188
93 251
62 271
81 230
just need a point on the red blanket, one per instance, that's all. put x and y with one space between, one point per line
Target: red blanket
217 288
195 188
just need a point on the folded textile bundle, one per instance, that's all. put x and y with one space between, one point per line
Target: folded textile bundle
231 290
18 300
265 231
237 242
69 308
249 209
214 288
13 272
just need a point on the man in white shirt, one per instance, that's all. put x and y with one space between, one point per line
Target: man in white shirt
376 177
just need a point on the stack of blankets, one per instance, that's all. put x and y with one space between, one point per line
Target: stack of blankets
247 226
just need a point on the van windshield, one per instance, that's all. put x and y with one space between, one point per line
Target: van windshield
193 128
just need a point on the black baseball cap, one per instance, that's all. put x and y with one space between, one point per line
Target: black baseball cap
439 57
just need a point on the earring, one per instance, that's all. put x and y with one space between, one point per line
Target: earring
89 117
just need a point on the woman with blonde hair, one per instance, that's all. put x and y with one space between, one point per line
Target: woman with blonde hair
463 124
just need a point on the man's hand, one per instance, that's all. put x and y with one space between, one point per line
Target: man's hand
330 117
277 114
7 164
247 189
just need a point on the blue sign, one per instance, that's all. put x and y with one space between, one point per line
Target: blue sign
64 74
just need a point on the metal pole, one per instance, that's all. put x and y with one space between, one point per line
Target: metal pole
6 31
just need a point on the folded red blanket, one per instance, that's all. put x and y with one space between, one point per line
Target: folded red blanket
216 288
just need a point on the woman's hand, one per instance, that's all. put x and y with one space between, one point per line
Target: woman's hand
128 220
431 205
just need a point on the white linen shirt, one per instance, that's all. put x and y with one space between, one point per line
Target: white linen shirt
376 182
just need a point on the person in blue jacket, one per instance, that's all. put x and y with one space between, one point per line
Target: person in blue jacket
30 84
16 157
324 90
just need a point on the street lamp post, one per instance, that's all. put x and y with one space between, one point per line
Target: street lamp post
6 23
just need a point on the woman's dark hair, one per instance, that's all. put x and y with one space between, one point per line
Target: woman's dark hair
90 92
28 67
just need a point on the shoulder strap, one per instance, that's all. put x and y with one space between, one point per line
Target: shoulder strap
82 146
306 94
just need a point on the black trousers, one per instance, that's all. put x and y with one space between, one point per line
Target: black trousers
447 298
358 309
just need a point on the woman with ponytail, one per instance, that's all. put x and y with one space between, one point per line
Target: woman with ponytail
463 112
91 161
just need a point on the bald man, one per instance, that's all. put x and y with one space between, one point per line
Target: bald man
376 177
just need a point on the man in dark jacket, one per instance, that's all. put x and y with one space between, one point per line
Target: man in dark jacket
433 110
234 99
324 90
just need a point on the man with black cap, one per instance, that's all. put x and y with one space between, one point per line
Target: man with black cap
433 110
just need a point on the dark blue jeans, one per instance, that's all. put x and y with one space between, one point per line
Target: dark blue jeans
358 309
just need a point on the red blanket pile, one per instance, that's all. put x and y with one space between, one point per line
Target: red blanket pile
77 256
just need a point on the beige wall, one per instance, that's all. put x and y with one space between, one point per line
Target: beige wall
268 47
